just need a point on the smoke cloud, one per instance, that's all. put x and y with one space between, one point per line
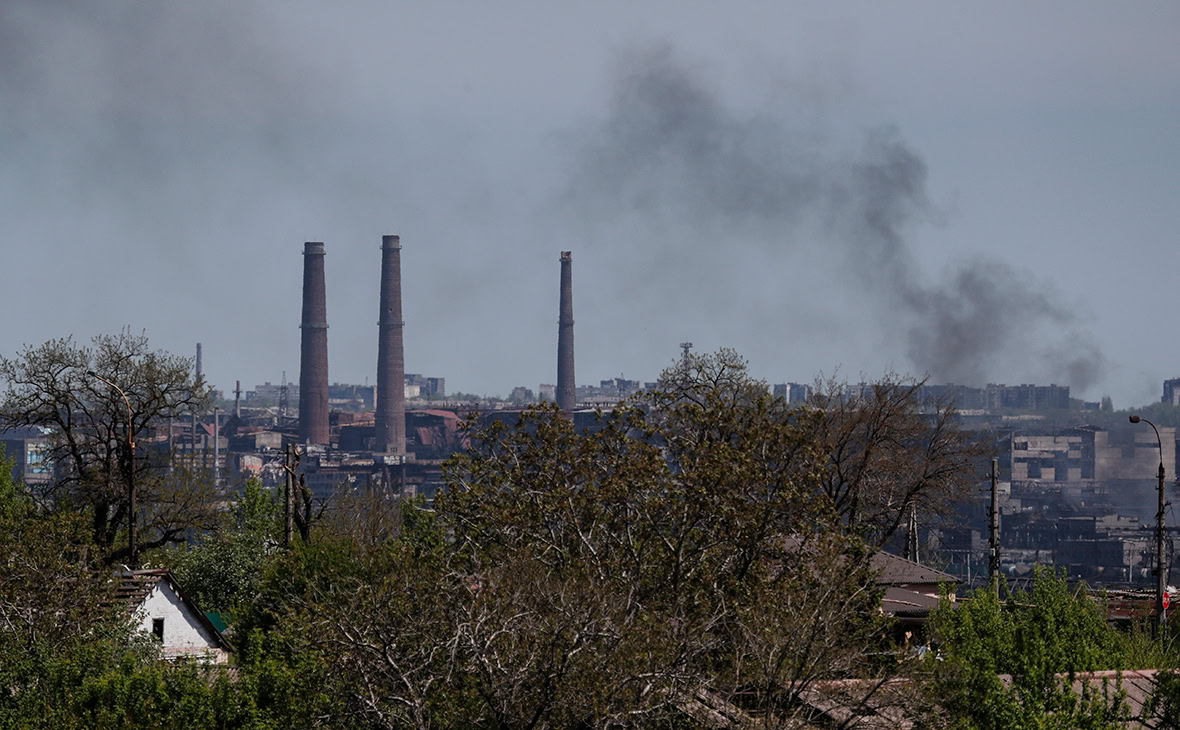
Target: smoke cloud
670 150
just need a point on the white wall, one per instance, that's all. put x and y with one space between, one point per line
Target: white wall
184 634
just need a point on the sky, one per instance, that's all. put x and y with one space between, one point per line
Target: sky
977 193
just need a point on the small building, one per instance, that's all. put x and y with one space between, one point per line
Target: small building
159 607
912 591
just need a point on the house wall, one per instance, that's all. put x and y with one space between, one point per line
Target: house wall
184 635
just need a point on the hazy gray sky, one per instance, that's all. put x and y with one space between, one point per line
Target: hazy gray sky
986 193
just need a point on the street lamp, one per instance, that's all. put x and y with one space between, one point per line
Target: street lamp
1161 580
130 470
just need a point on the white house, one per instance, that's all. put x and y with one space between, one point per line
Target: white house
160 608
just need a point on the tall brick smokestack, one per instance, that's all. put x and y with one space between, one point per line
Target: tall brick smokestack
565 337
390 431
313 357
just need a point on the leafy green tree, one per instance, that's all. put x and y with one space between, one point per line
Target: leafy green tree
223 571
366 634
1012 663
50 592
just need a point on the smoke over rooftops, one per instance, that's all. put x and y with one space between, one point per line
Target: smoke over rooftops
670 150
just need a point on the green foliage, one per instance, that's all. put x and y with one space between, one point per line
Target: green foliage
14 502
1040 639
223 571
330 609
1164 704
701 554
109 680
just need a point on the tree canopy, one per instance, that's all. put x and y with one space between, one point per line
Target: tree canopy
51 385
701 558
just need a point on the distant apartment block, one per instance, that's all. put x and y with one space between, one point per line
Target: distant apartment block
521 394
792 392
797 392
427 387
269 392
994 396
359 396
1172 392
608 391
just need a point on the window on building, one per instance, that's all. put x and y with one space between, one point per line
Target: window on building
158 629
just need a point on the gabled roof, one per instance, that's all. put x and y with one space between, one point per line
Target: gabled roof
136 585
893 570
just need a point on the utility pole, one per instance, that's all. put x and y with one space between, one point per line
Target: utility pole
1162 565
289 464
911 538
1161 571
216 447
994 531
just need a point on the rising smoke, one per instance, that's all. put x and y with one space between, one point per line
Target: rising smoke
671 149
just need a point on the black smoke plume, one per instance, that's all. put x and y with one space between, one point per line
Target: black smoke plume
672 151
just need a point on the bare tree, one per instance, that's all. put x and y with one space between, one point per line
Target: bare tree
49 386
882 451
888 453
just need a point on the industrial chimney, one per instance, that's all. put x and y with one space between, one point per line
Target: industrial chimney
565 338
390 419
199 371
313 357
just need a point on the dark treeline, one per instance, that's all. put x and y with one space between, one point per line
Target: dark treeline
700 560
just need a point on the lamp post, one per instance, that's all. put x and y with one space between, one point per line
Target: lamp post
1161 578
131 511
